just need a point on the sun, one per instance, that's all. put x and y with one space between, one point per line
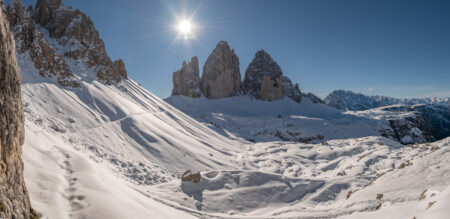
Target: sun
185 27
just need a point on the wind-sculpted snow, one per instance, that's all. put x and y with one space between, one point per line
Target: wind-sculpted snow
237 192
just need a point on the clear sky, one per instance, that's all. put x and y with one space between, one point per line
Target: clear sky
397 48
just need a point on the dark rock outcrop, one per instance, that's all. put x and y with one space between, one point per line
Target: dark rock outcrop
417 123
263 78
14 200
73 38
186 81
290 90
221 76
313 98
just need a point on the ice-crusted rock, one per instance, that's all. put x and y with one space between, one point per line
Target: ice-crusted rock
55 35
263 78
14 200
186 81
221 75
28 38
292 91
313 98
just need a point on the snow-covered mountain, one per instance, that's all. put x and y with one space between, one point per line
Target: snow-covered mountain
348 100
98 145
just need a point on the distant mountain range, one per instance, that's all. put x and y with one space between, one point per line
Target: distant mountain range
348 100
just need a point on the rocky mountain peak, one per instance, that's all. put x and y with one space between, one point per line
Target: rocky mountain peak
75 40
45 11
186 81
221 75
263 78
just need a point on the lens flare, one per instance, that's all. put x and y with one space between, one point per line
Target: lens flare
185 27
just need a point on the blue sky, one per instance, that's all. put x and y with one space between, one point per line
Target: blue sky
397 48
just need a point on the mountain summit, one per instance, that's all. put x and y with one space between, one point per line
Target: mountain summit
58 38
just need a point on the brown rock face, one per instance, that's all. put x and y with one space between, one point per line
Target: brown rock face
221 76
28 38
263 78
14 201
71 29
70 25
186 81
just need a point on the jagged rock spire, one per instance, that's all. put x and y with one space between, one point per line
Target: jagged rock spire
186 81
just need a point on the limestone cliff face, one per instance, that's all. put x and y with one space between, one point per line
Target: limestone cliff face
221 75
186 81
263 78
14 201
56 35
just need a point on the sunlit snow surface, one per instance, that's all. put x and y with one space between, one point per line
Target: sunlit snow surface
118 151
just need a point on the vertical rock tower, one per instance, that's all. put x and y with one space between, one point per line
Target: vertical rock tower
186 81
263 78
221 75
14 200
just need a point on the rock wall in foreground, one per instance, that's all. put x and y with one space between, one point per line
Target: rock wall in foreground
14 200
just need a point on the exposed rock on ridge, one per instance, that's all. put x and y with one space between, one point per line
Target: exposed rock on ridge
186 81
263 78
14 200
290 90
313 98
28 38
221 75
56 35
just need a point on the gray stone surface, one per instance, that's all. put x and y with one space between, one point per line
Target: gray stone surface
186 81
221 75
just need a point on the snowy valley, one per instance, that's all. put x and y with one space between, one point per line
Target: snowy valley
99 145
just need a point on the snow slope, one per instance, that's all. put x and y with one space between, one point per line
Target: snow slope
88 148
118 151
284 119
